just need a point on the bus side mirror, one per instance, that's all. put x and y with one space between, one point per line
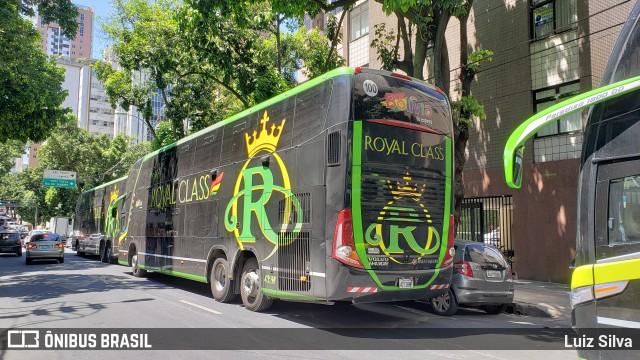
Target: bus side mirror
517 166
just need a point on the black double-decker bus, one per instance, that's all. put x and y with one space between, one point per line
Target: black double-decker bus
337 190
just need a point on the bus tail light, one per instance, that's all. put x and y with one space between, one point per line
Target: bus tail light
463 268
344 248
448 256
401 76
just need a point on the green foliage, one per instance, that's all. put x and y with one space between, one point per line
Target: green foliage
212 58
384 43
30 82
467 108
8 151
164 136
477 57
95 159
63 12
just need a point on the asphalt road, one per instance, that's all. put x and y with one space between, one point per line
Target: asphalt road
84 293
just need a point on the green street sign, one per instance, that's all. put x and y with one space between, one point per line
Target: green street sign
59 183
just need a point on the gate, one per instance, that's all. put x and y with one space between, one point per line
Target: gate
488 220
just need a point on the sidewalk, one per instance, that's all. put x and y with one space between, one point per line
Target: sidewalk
543 299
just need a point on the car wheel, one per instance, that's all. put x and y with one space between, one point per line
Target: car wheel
221 288
494 309
19 252
137 271
29 261
251 288
61 260
445 304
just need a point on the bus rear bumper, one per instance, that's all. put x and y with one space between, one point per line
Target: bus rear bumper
358 286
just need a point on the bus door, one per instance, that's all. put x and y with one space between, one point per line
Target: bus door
616 272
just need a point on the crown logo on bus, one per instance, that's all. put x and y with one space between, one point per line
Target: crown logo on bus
407 189
114 194
264 140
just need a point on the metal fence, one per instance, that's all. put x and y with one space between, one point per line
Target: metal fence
488 220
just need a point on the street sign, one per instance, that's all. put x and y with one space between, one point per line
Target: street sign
59 179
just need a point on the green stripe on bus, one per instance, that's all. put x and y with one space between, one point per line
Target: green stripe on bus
582 276
556 112
296 90
175 273
289 296
616 271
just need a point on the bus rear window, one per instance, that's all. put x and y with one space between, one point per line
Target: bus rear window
380 97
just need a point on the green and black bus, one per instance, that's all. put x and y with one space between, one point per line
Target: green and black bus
337 190
98 218
605 285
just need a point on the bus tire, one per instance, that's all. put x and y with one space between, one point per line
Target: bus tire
137 271
251 288
445 304
221 286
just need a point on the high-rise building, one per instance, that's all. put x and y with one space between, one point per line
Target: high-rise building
544 51
55 42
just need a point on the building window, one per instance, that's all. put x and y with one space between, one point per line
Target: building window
547 97
359 23
552 16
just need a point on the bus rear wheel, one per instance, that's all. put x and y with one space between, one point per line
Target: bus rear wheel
137 271
251 289
221 286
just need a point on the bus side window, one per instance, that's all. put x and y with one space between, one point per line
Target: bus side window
623 221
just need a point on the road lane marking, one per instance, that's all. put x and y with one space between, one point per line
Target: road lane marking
201 307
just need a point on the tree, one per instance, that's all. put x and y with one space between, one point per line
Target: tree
63 12
209 59
95 159
8 152
422 25
30 82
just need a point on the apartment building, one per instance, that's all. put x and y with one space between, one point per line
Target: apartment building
55 42
544 52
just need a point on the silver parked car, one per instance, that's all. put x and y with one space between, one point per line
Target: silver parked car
482 278
45 246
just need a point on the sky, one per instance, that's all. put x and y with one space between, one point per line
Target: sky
102 10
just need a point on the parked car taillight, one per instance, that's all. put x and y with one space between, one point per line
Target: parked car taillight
59 245
463 268
83 236
31 246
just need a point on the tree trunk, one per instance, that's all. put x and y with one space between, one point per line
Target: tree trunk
460 139
278 50
440 51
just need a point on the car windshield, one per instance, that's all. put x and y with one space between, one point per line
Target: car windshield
8 236
482 254
45 237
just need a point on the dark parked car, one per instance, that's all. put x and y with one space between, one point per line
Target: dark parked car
10 242
482 278
45 246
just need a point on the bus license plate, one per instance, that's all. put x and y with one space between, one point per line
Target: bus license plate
493 274
405 283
